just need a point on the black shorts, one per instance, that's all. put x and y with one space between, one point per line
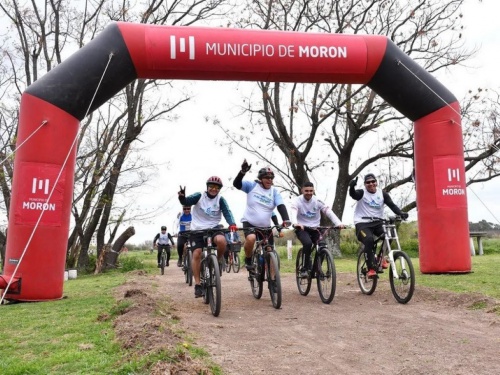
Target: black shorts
247 229
199 241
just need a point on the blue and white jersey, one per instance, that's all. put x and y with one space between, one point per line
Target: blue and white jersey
371 205
260 203
308 212
185 222
206 212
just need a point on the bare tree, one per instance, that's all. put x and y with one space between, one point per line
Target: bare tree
313 125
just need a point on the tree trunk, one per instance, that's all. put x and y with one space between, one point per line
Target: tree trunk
110 257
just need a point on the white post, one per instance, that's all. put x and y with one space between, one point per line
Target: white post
472 250
289 249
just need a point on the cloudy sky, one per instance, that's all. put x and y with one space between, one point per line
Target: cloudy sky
190 142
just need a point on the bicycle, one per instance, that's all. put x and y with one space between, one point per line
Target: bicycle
165 250
401 272
209 270
233 258
265 262
323 268
187 259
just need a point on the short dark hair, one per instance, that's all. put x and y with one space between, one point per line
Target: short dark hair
307 184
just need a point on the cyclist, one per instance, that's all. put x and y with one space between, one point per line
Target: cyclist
306 212
207 209
162 243
234 240
370 204
184 224
262 199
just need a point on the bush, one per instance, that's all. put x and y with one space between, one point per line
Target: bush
131 263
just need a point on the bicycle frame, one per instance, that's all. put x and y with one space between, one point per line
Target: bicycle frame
389 236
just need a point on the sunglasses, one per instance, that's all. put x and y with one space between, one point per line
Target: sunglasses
187 209
216 187
268 178
370 182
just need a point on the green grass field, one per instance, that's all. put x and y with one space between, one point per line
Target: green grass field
69 337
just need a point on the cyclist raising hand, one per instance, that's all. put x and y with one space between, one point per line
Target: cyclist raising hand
262 199
206 213
371 201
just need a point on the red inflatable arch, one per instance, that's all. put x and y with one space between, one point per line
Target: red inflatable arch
62 97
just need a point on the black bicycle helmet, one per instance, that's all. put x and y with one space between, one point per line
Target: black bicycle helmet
214 180
163 227
265 172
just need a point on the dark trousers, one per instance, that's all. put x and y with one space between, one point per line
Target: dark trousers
181 240
307 238
365 233
160 248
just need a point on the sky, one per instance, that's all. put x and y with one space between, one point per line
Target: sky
190 143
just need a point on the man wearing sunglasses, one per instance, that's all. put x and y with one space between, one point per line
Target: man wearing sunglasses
184 225
207 210
262 199
371 201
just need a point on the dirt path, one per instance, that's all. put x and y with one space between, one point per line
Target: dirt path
436 333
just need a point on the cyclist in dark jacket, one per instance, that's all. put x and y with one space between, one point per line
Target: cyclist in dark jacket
371 201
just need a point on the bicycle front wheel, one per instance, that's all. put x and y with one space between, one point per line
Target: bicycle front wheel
227 263
163 261
213 286
326 276
236 262
273 279
188 270
255 277
303 283
366 284
403 286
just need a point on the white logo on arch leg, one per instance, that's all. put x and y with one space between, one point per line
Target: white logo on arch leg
182 47
40 185
453 174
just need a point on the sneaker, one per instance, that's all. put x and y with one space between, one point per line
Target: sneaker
179 263
248 264
198 291
371 274
385 264
167 263
304 273
159 265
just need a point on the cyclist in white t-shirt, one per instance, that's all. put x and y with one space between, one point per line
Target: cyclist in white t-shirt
306 213
262 199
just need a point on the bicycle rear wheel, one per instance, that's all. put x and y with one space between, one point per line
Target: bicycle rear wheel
255 277
326 275
303 283
213 286
236 262
403 287
227 263
366 284
273 279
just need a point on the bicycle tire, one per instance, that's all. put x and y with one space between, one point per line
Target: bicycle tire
213 285
326 275
227 263
255 277
303 283
163 261
204 279
189 271
236 262
403 287
366 284
273 279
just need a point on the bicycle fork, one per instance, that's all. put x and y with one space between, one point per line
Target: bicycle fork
392 234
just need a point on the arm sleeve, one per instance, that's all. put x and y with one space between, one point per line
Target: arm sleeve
171 239
156 238
388 201
274 218
190 200
238 181
283 212
331 215
294 212
355 194
226 211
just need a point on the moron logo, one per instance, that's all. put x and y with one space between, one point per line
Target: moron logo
39 186
178 46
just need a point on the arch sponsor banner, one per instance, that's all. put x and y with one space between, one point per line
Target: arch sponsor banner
175 48
39 180
449 177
